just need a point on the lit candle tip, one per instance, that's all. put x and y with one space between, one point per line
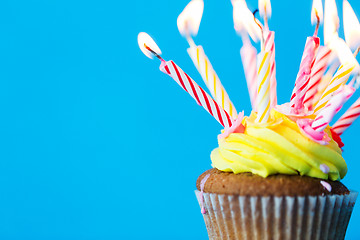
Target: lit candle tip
148 46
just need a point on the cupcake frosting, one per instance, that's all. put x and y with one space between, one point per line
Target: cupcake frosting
278 147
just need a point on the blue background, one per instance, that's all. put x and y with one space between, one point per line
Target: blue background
96 142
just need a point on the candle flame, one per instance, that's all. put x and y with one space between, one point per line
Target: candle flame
343 52
331 21
317 12
244 20
351 26
148 46
188 21
265 8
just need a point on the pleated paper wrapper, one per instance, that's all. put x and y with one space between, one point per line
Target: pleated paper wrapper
306 218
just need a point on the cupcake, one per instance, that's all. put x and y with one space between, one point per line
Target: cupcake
273 182
276 173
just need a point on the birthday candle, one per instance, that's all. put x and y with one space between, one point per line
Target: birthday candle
351 26
302 80
211 79
328 112
339 79
248 56
307 61
269 46
324 82
244 24
347 118
263 97
317 72
188 24
149 48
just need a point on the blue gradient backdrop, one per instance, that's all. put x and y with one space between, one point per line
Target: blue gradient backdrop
96 142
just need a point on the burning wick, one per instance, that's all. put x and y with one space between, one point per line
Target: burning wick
262 32
317 23
154 53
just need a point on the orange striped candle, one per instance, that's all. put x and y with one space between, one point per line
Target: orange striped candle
339 79
263 97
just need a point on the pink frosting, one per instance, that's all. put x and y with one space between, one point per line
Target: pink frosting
237 127
305 127
292 113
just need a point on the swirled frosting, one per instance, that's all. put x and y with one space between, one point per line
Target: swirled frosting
277 147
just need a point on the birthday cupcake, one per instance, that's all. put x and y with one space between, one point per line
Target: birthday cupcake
273 182
276 173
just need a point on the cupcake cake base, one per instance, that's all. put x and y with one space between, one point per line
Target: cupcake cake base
274 216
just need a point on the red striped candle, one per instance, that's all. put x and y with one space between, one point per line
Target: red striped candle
303 77
347 118
317 71
200 96
331 108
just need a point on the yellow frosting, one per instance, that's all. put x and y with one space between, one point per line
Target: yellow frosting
277 147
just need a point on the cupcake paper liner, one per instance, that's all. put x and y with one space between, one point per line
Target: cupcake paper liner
306 218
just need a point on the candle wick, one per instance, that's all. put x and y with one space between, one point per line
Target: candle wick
154 53
317 23
188 35
190 40
262 32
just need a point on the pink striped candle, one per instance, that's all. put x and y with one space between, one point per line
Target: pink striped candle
248 56
339 79
269 46
317 71
303 77
347 118
200 96
332 107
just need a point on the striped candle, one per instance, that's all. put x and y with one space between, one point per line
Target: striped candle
211 79
347 118
248 57
334 105
324 82
200 96
269 46
263 97
303 77
339 79
317 71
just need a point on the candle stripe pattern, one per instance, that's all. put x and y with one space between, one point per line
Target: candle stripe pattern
317 71
248 57
211 79
263 97
339 79
334 105
347 118
303 77
200 96
270 47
